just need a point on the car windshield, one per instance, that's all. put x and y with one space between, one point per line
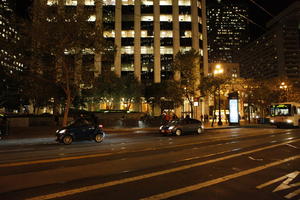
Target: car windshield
80 122
281 110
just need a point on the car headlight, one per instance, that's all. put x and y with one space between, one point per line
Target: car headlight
272 120
289 121
171 127
62 131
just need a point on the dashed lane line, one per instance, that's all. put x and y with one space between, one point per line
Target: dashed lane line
198 186
158 173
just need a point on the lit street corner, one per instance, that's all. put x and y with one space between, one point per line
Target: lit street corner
219 164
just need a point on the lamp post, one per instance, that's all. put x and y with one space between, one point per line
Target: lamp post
219 70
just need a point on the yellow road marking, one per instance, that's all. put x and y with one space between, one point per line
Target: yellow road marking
149 175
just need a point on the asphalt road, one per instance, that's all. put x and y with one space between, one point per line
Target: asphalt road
225 164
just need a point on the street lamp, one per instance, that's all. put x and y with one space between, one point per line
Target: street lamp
284 87
218 70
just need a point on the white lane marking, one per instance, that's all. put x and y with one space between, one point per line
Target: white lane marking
292 194
256 159
149 175
292 146
284 185
191 188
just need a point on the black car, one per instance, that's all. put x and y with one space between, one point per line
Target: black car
182 126
81 129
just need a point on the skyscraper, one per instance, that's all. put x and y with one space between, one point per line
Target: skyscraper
277 52
9 57
147 33
227 29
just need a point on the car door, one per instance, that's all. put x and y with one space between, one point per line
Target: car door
81 129
194 125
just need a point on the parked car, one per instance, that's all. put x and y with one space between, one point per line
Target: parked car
182 126
4 126
80 129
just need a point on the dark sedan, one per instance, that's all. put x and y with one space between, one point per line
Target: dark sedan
182 126
80 129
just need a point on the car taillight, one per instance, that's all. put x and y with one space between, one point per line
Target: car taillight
100 126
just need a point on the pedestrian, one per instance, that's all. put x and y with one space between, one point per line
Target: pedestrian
201 118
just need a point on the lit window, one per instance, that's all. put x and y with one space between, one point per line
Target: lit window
184 49
144 34
166 50
200 36
184 2
109 34
187 34
92 18
128 2
185 18
109 2
165 2
52 2
147 2
165 18
166 34
71 2
128 34
200 20
127 50
147 50
89 2
147 18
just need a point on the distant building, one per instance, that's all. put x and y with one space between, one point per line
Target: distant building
277 52
228 29
9 57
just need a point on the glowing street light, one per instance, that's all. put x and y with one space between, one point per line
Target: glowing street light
219 70
283 85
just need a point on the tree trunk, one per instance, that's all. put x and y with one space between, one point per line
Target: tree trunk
192 110
67 107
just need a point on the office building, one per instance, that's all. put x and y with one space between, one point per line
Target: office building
147 33
277 52
228 29
9 57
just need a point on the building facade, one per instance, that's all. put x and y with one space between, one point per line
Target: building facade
147 33
228 29
9 57
277 52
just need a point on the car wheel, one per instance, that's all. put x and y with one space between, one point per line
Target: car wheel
67 139
178 132
199 130
99 137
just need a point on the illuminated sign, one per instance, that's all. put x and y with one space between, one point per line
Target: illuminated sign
233 111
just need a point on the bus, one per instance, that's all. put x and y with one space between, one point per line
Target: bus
285 114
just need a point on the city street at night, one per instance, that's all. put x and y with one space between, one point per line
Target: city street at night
227 164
